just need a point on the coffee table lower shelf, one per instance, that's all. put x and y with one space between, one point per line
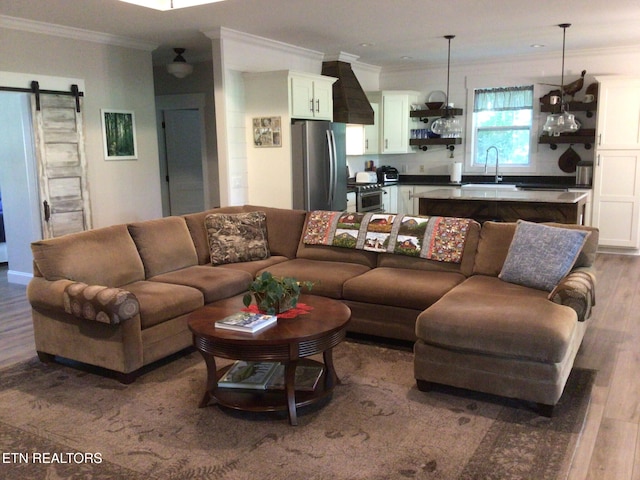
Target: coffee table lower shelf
253 400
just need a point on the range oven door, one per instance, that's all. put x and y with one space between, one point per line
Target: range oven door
370 201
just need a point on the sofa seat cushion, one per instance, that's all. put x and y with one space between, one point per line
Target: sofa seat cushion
328 277
254 266
486 315
214 283
160 302
401 287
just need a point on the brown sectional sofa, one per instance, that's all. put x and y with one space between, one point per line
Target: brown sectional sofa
471 329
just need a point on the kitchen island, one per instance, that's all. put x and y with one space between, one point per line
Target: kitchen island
499 204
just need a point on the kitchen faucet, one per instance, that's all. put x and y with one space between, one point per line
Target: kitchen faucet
486 159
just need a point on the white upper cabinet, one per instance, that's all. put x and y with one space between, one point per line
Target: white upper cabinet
311 96
394 119
618 113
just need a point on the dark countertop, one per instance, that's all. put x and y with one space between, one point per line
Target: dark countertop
526 181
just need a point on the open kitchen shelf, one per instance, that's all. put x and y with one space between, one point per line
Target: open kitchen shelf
424 115
587 136
423 143
571 107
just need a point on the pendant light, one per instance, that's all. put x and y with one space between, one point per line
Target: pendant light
562 122
447 126
179 68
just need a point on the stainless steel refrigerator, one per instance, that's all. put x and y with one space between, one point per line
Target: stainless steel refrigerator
319 165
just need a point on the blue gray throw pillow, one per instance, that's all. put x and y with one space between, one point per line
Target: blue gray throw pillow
541 255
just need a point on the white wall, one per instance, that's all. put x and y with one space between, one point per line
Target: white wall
114 77
536 69
110 76
235 53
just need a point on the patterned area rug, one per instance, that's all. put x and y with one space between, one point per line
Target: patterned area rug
60 423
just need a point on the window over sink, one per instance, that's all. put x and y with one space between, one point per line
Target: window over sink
503 118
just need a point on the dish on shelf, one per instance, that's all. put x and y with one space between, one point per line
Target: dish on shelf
436 96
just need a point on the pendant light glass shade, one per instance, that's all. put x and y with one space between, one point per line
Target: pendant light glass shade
179 68
448 126
562 122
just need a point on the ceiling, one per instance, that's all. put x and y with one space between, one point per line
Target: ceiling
484 29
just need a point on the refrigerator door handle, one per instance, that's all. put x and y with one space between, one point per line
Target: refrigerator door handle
331 145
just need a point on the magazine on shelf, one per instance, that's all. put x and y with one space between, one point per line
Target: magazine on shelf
247 322
307 377
252 375
269 376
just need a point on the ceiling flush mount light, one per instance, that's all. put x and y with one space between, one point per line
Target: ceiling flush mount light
562 122
169 4
179 68
448 126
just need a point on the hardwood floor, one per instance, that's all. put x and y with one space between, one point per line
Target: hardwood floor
610 444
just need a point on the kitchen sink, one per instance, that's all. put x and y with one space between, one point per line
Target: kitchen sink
490 186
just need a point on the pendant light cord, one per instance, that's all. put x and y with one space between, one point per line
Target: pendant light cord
448 37
564 27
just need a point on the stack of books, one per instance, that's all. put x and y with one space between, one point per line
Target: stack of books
247 322
269 376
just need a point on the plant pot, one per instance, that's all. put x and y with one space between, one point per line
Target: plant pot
280 305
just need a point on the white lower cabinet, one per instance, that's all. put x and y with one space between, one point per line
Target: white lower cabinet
409 203
390 199
616 198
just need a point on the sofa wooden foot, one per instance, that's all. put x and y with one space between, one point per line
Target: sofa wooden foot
545 410
126 378
424 386
46 357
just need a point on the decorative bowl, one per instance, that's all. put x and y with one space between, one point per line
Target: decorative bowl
434 105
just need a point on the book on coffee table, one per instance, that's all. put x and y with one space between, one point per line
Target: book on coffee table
307 377
247 322
251 375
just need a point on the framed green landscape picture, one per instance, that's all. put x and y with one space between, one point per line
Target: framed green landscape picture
119 135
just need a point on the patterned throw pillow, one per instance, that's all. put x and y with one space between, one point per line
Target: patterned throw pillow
540 255
240 237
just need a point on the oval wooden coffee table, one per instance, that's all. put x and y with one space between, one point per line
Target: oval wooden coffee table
290 341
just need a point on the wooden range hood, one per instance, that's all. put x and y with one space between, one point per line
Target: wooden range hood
350 104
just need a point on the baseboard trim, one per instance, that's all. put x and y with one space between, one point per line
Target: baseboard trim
21 278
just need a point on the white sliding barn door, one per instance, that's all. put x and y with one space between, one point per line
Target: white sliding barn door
62 168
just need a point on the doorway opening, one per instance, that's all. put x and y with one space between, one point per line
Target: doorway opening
182 153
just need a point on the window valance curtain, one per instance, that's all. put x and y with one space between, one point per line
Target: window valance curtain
503 99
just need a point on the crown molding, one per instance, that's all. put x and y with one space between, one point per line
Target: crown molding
254 40
74 33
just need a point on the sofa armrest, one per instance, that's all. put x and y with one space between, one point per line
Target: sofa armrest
576 290
99 303
46 294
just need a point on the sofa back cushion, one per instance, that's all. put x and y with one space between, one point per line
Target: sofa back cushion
164 245
104 256
495 240
284 229
465 266
198 231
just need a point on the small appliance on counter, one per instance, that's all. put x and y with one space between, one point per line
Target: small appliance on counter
584 173
366 177
387 174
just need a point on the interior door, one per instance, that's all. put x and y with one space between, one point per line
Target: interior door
184 161
62 167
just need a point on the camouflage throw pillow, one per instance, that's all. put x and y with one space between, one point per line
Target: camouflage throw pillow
240 237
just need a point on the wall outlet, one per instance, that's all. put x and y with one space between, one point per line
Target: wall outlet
421 169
